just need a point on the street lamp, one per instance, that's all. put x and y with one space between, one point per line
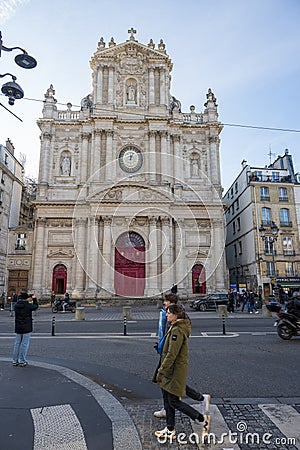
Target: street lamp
11 89
270 237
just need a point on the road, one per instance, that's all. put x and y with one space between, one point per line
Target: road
249 361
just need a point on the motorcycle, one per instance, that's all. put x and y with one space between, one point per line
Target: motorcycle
288 325
58 306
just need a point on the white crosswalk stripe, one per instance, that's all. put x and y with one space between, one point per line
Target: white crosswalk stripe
57 428
286 418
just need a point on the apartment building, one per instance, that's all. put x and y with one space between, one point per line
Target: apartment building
262 228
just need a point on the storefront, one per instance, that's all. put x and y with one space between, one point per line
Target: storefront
286 286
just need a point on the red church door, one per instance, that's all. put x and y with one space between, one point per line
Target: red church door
59 279
198 279
130 265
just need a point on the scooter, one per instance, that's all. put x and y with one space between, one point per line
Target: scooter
58 306
288 325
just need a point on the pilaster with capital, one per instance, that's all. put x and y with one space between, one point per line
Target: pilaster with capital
44 169
109 155
162 93
107 258
151 86
95 169
110 84
92 253
218 265
85 137
152 156
40 240
152 276
167 264
164 156
178 161
214 160
99 86
179 254
79 233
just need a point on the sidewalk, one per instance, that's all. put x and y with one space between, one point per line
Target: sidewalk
48 407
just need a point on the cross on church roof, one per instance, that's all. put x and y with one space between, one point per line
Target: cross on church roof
132 33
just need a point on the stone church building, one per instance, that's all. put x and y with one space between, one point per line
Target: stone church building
129 191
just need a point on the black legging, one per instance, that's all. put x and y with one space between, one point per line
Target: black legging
171 403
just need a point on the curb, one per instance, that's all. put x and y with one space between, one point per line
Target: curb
125 434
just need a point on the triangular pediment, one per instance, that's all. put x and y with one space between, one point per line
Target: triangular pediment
130 194
131 53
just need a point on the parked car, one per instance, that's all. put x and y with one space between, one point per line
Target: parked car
210 302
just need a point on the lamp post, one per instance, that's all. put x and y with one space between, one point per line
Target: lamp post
11 89
271 236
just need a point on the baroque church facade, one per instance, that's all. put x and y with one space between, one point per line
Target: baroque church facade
129 191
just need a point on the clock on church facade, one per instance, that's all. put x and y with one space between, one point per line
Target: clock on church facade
130 159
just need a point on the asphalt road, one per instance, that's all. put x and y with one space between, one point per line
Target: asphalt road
249 361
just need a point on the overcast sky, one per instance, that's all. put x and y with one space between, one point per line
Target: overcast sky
247 52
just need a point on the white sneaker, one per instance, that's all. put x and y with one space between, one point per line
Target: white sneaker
165 434
205 404
161 414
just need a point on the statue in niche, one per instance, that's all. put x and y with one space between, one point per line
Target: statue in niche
131 94
65 166
195 166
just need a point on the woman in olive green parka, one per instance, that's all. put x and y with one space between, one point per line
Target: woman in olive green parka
172 371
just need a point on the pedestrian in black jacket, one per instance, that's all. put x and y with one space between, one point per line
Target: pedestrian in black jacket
23 327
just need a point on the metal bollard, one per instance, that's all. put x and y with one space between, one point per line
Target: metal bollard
53 326
125 326
222 311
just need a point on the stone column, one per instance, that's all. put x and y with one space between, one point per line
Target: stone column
38 280
151 86
178 162
214 162
92 254
164 160
179 255
107 269
84 157
167 264
110 84
44 169
99 85
152 276
109 155
218 254
152 156
95 169
80 244
162 88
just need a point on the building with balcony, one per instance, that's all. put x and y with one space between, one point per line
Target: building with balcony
10 199
262 228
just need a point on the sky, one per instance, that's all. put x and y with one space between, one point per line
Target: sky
247 52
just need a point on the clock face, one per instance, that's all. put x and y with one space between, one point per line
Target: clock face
130 159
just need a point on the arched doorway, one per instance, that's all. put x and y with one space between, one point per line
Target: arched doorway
198 279
59 279
130 265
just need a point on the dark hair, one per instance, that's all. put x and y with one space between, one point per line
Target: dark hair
173 298
177 310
